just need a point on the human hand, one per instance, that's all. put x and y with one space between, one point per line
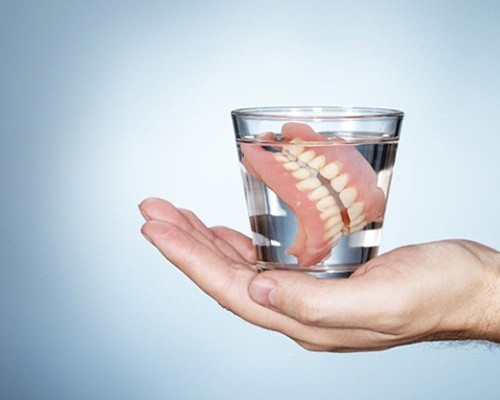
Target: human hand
436 291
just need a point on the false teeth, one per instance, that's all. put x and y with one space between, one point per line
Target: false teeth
306 156
301 174
319 193
318 162
355 210
339 183
347 196
308 184
330 170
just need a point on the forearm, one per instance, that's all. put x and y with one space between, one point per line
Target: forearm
491 321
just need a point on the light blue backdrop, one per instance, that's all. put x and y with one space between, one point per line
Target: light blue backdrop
102 105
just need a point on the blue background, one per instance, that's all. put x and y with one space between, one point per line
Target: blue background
105 103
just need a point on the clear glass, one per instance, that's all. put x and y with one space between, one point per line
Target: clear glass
316 182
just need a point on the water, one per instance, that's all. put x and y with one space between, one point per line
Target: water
274 223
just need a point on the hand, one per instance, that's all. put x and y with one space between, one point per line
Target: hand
436 291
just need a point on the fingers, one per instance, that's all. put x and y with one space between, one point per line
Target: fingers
243 244
210 271
219 242
162 210
224 281
186 242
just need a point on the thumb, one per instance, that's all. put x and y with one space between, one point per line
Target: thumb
299 296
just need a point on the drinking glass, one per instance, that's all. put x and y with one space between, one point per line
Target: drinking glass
316 182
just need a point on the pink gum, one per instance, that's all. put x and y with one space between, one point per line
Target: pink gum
309 244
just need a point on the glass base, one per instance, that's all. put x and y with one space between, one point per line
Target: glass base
320 271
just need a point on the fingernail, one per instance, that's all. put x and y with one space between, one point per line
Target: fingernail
262 290
146 236
143 213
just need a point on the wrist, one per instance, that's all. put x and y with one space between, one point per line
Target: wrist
488 326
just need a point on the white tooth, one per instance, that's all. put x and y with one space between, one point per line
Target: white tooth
294 150
357 227
359 220
301 173
355 210
309 184
319 193
325 203
347 196
281 157
330 171
318 162
330 212
339 183
306 156
334 240
334 230
333 221
291 166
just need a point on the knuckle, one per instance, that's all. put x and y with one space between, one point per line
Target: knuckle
308 312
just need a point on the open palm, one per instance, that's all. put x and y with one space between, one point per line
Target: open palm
440 290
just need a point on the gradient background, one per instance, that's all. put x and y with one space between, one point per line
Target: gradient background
102 105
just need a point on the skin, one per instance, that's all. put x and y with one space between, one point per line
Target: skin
447 290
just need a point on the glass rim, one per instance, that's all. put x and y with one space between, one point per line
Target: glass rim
317 112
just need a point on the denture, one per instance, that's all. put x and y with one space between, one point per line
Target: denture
332 189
